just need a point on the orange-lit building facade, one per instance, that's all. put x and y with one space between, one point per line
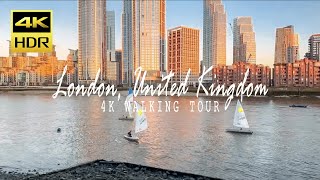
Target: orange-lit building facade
301 73
227 75
183 53
35 71
143 39
92 40
244 41
149 34
286 46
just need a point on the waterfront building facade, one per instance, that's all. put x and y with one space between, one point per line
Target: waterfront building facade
301 73
35 71
183 53
227 75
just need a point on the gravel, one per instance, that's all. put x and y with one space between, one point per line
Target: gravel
101 169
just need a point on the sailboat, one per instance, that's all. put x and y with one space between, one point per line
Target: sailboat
140 124
240 123
129 103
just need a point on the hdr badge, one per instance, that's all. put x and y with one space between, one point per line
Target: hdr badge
31 31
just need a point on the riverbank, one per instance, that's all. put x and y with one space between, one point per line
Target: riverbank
101 169
293 91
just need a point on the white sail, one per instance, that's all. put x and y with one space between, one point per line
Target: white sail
140 119
240 119
129 98
129 101
130 110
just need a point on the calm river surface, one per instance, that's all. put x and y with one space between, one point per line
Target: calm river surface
285 143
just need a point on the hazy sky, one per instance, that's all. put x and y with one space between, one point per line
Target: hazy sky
267 16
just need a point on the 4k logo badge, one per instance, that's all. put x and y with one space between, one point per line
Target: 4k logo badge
31 31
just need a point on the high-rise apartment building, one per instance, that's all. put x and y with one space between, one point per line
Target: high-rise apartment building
244 43
183 53
111 74
111 30
119 65
143 33
314 47
150 37
287 45
128 27
214 34
92 39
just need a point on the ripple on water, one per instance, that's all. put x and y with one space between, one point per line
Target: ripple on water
284 145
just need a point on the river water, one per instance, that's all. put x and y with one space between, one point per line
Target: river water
285 143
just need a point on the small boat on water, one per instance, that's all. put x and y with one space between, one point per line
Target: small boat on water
242 131
240 122
298 106
136 138
140 124
126 118
129 103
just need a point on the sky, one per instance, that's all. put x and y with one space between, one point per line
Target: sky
267 16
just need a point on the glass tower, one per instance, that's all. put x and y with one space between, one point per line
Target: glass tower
143 38
92 39
214 34
244 43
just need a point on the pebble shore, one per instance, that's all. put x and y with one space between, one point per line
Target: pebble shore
101 169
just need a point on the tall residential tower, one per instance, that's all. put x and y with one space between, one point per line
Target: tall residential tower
183 53
314 47
111 30
111 71
244 43
128 26
92 39
143 36
214 33
287 45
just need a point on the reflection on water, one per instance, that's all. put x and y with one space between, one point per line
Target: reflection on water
285 143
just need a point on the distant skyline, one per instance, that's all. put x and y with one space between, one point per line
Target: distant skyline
266 15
